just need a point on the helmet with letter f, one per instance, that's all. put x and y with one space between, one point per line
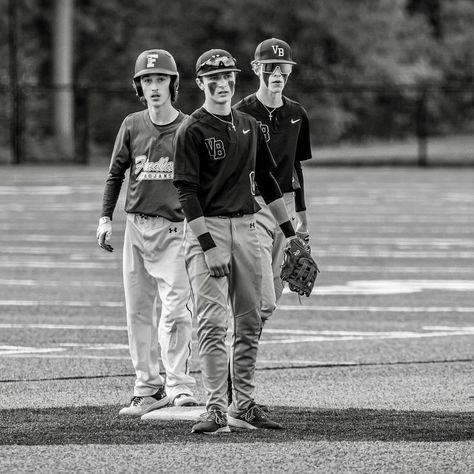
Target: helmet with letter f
156 61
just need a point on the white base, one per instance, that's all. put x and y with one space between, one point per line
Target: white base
175 413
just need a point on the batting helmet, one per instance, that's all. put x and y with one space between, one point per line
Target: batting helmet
274 50
156 61
214 61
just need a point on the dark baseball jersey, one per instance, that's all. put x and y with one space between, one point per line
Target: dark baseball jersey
287 135
224 163
147 149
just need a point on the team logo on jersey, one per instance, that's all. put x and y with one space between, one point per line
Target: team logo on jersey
265 130
215 148
150 170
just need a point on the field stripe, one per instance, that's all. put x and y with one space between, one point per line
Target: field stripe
58 283
446 330
437 242
80 304
380 309
92 327
334 251
397 269
356 287
52 264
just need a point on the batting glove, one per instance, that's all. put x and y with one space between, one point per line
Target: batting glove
104 233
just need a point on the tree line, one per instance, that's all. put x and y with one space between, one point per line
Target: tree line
360 63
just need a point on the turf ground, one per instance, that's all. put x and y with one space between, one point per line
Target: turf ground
372 373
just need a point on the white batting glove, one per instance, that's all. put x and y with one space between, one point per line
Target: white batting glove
104 233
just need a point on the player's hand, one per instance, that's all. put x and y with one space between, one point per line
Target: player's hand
304 237
104 233
218 267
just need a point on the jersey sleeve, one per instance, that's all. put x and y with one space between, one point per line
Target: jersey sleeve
300 204
186 156
119 163
189 200
303 147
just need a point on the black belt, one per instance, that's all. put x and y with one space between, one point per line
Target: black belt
232 214
144 216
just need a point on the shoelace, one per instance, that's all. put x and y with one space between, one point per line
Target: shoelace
254 412
215 415
136 401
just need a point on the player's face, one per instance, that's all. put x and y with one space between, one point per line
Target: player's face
219 87
275 75
156 88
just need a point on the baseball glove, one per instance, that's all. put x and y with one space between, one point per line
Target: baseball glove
298 268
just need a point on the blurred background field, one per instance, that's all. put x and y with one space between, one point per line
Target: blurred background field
372 73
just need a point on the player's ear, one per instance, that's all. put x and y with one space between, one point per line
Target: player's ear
256 67
199 83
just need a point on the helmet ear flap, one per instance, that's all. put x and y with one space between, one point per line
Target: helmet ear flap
138 87
174 86
138 90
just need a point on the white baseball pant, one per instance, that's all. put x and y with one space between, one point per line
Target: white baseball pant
217 299
272 243
154 270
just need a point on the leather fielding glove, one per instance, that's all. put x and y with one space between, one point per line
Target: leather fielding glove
299 269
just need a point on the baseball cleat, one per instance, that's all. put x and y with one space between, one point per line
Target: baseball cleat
253 419
184 400
141 405
213 422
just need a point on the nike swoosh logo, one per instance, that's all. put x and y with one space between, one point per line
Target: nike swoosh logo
295 121
246 131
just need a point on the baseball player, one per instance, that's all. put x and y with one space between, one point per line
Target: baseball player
153 258
220 155
285 125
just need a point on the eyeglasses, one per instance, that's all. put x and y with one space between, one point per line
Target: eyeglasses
271 68
219 61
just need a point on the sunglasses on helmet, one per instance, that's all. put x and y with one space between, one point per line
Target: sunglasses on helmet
270 68
219 61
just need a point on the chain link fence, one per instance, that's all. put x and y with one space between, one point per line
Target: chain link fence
349 125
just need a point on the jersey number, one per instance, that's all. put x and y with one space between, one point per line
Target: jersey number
265 130
216 148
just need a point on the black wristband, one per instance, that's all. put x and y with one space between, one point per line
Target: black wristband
206 241
287 229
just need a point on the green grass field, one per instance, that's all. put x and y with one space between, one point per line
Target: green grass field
373 373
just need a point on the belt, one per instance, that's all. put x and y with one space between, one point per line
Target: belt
232 214
145 216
